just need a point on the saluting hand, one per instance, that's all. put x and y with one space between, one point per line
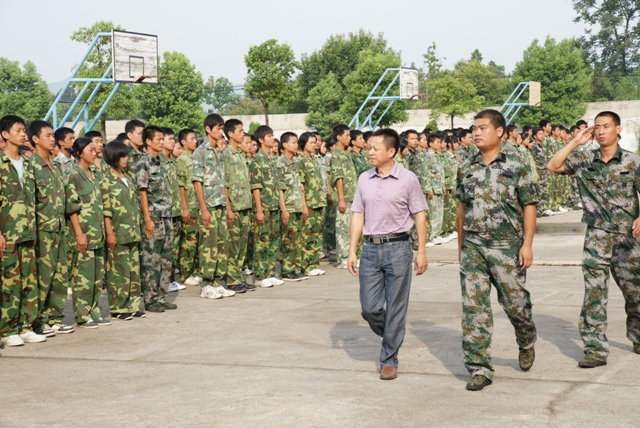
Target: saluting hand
584 136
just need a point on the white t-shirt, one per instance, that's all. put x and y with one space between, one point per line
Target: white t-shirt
18 165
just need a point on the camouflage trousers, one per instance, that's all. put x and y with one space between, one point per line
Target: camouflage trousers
413 232
553 201
86 275
312 240
450 213
603 252
574 194
155 261
19 299
343 233
248 261
436 206
237 246
267 243
53 276
329 230
212 246
291 247
543 193
485 263
123 279
189 249
175 249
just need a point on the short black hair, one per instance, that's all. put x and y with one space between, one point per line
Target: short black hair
338 130
122 136
573 128
463 133
261 132
230 126
79 145
285 138
526 128
7 122
495 117
131 126
212 120
113 152
581 122
544 122
431 138
614 116
366 135
184 133
61 134
390 138
93 134
149 133
36 127
355 133
403 145
511 128
304 139
411 131
167 131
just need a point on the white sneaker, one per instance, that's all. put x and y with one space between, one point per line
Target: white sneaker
247 271
454 235
172 287
180 286
316 272
224 292
208 292
342 265
438 240
32 337
62 328
13 340
563 210
548 212
192 281
430 244
275 281
264 283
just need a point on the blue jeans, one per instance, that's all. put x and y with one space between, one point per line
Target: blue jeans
385 282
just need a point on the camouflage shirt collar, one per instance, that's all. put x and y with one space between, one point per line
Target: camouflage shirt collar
477 158
38 160
598 156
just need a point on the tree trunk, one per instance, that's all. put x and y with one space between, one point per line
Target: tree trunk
452 121
266 113
103 128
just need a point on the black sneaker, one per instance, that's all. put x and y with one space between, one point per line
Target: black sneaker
238 288
89 324
154 307
102 322
168 305
249 287
139 314
45 330
303 276
291 278
123 317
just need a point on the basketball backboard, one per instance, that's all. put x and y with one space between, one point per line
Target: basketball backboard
534 94
408 83
135 57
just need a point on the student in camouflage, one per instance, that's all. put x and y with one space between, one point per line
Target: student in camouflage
466 149
209 183
266 200
436 173
418 164
312 180
540 157
609 182
86 236
293 208
134 129
65 162
329 232
122 228
19 302
344 180
189 210
358 154
51 256
157 237
496 224
450 206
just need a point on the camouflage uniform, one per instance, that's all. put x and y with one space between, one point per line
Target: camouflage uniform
176 213
610 203
450 166
51 255
329 231
418 164
495 196
86 269
266 238
291 246
155 260
541 158
402 162
208 169
463 153
436 205
65 165
123 263
342 168
360 161
311 178
189 232
19 299
237 183
553 201
134 158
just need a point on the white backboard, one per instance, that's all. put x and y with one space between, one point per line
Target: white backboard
408 83
134 55
534 94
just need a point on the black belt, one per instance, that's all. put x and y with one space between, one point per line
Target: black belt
383 239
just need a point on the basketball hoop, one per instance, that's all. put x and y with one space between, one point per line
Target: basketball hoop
139 79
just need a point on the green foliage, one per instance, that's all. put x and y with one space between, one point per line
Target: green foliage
219 94
324 102
252 128
360 82
433 125
490 81
453 96
175 102
23 92
270 67
123 105
564 77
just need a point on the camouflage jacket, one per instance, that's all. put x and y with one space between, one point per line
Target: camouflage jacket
323 170
151 174
172 172
208 169
264 176
608 190
495 196
134 158
528 156
450 169
360 161
417 161
65 165
121 206
436 172
539 153
342 167
83 198
49 195
311 177
17 202
236 174
402 162
184 169
463 153
289 183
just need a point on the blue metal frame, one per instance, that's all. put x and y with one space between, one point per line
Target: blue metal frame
512 106
356 123
84 111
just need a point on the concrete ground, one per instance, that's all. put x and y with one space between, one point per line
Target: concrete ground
300 355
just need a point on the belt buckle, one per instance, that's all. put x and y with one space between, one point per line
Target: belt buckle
377 240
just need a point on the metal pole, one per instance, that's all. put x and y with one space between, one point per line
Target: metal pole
102 109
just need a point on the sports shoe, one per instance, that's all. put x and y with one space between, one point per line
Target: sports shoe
275 281
139 314
438 240
303 276
238 288
32 337
247 271
224 292
208 292
175 286
548 213
292 278
590 362
249 287
154 307
45 330
88 324
60 328
13 340
526 357
192 281
563 210
454 235
102 322
264 283
342 265
316 272
478 382
123 317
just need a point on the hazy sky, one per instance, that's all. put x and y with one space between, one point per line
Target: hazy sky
215 35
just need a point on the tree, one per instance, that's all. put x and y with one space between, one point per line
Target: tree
123 105
564 77
453 96
219 94
23 92
324 102
270 67
611 42
176 101
490 81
